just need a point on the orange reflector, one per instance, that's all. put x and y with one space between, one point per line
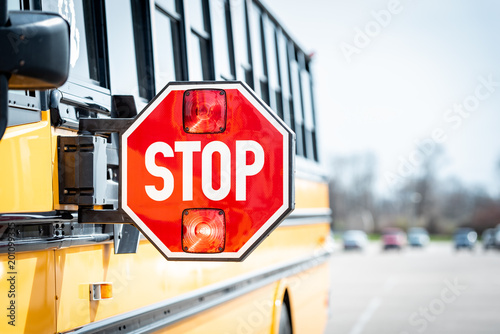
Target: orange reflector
203 231
99 291
204 111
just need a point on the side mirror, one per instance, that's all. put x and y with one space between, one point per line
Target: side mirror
35 53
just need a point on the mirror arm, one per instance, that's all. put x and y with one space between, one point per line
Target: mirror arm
4 103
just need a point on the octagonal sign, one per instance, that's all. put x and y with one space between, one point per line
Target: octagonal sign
207 171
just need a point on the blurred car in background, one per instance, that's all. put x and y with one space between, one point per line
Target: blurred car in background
465 237
418 237
488 238
393 238
496 237
354 239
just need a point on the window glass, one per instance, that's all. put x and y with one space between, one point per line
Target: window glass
307 100
87 42
196 68
14 4
255 24
297 108
121 48
272 54
240 31
223 38
197 17
259 55
168 5
201 63
297 100
283 60
72 11
164 44
143 48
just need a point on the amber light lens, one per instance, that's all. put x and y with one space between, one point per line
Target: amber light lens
203 230
204 111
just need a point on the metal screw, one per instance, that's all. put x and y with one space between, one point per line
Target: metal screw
187 93
221 212
222 92
185 248
221 249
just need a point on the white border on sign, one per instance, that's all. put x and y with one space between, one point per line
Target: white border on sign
286 145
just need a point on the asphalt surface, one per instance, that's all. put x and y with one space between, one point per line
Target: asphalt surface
430 290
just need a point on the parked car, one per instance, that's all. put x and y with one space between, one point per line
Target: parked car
418 237
488 238
354 239
465 237
496 237
393 238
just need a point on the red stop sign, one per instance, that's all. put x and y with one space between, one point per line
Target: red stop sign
233 176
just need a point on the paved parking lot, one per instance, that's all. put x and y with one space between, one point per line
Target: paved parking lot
431 290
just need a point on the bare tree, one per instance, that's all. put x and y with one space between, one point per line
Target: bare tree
352 191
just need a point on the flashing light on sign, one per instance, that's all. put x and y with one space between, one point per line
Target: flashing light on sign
203 231
204 111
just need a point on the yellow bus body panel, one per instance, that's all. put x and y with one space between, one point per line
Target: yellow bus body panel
311 194
251 313
26 168
34 293
146 278
309 294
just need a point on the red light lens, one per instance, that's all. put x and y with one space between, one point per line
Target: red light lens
204 111
203 230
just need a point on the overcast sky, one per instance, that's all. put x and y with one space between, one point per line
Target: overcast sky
394 76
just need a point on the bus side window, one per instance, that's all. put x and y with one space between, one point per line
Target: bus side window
200 43
168 27
285 79
88 58
259 52
309 140
223 39
122 58
95 23
143 43
298 112
276 99
241 33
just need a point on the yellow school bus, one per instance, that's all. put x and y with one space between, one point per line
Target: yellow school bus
62 271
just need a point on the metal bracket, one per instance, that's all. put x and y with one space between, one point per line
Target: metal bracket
126 236
82 170
104 125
